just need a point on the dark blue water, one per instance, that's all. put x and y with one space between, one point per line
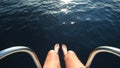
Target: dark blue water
81 24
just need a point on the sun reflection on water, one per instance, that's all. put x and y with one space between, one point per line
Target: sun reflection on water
66 1
65 10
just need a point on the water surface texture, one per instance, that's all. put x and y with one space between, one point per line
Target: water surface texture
81 24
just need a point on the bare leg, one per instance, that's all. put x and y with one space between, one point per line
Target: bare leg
52 60
71 59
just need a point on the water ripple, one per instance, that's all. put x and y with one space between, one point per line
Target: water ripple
74 11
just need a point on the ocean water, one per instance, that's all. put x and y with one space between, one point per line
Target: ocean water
80 24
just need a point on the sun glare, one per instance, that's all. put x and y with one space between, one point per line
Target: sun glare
66 1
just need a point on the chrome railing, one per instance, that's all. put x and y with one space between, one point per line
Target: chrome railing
6 52
108 49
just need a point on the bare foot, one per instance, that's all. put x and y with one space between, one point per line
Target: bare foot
64 48
56 48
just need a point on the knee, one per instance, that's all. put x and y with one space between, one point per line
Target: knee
51 52
70 52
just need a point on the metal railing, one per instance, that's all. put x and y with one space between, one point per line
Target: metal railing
108 49
6 52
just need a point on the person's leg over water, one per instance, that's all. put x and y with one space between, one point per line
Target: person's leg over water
52 59
71 59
